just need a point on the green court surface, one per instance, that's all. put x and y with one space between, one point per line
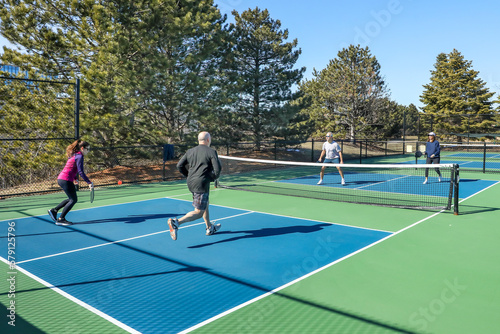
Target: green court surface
437 272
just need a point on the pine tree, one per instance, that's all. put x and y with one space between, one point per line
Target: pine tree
145 66
33 111
456 100
262 70
348 96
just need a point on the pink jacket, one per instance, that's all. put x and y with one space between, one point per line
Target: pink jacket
74 166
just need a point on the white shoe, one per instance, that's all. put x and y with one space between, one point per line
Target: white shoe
320 181
213 228
439 179
425 182
343 182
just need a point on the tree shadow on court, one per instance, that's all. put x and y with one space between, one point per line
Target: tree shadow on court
38 234
132 219
265 232
20 325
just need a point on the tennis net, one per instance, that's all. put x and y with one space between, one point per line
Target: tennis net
393 185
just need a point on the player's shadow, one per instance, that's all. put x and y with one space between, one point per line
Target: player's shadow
265 232
131 219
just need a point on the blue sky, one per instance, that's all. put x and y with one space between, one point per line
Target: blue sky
404 35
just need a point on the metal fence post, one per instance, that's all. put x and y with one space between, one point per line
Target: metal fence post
456 182
360 151
484 157
77 109
312 150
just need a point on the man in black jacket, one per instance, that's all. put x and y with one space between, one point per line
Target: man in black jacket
204 167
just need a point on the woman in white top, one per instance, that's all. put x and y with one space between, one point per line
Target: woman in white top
332 153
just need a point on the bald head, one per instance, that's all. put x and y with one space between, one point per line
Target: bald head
204 138
329 137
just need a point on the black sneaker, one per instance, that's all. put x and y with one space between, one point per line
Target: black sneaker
63 222
53 214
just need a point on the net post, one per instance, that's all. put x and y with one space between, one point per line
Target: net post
312 150
456 182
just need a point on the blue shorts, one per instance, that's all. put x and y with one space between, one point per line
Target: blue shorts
200 201
332 161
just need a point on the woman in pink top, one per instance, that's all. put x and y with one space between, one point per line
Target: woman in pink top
67 177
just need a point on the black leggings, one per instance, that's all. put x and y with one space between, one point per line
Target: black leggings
70 190
432 161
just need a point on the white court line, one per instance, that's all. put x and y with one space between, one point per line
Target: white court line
497 182
76 300
90 247
292 217
465 163
102 206
347 188
201 324
374 184
123 240
164 231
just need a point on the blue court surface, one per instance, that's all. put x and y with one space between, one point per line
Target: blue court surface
399 184
474 155
469 164
121 260
474 164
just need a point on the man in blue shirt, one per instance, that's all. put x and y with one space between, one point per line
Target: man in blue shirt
432 150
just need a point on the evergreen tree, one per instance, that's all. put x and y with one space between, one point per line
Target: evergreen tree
145 66
300 126
262 70
412 120
348 96
31 112
456 100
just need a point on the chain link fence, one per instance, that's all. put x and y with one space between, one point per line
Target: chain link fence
106 166
38 117
465 128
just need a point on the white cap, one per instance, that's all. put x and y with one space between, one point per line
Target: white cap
432 134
